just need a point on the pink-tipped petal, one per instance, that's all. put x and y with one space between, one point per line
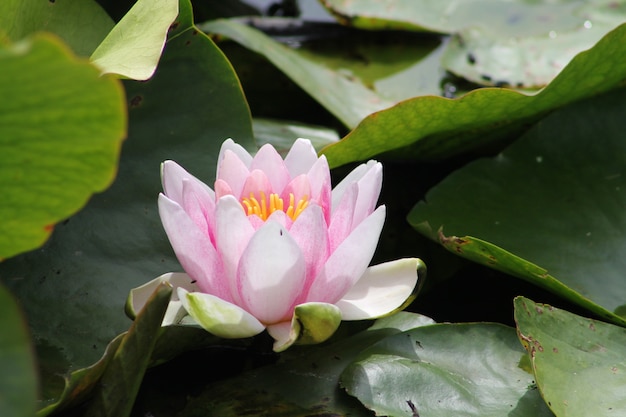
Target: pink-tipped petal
193 248
321 186
301 157
271 274
232 234
369 190
354 176
299 187
200 206
341 220
310 233
220 317
271 163
238 150
232 171
172 176
349 261
256 182
380 290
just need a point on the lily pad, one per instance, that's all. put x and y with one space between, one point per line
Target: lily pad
552 202
578 362
435 128
193 102
277 389
446 369
133 47
60 138
20 18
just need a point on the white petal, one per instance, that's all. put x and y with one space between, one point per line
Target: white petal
271 273
382 289
354 176
349 261
138 296
220 317
284 334
301 157
172 176
193 248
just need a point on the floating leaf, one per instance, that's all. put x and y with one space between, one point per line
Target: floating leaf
278 389
445 370
21 18
434 128
551 206
578 363
133 48
60 136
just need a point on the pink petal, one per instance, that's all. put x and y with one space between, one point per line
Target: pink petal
320 182
238 150
271 274
341 220
271 163
299 187
200 206
349 261
232 234
370 185
193 249
300 158
310 233
172 176
233 171
354 176
257 181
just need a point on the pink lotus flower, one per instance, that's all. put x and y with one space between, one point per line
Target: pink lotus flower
273 247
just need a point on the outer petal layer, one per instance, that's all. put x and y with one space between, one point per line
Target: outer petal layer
138 297
381 289
220 317
311 323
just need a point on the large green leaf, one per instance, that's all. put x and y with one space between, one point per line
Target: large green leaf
74 289
303 383
81 24
578 362
18 380
433 128
446 370
553 204
61 129
133 48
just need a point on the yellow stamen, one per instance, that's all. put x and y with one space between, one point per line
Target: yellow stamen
266 206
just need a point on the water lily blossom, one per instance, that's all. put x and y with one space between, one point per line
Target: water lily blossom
273 247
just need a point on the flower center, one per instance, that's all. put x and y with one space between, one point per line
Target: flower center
264 207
